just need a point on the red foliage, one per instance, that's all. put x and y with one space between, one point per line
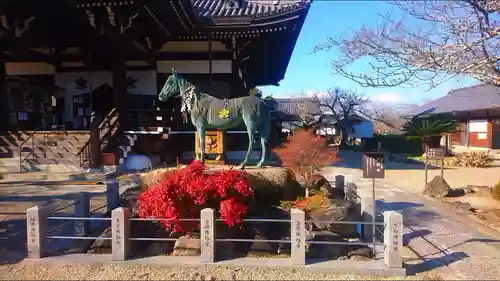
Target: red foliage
305 152
185 192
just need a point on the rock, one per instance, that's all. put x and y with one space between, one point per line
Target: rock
101 246
352 192
273 184
437 188
157 248
272 230
479 190
262 248
319 182
154 177
335 210
461 207
326 250
361 253
456 192
185 246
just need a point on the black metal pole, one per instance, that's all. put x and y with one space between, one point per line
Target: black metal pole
374 216
426 164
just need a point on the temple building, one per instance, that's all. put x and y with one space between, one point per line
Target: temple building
65 64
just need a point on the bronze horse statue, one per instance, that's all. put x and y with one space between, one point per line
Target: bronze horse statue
208 112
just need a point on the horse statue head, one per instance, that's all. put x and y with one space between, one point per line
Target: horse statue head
174 86
177 86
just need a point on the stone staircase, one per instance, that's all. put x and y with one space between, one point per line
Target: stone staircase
41 151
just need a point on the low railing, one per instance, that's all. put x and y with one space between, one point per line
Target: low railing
121 234
33 148
39 232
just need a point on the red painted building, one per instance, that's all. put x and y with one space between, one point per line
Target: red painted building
476 109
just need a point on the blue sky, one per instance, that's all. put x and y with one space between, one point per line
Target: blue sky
310 72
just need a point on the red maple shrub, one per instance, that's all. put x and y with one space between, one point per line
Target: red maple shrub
304 153
185 192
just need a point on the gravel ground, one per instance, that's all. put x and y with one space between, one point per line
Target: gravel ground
138 272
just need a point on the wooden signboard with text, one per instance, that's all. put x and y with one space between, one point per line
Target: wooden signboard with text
373 165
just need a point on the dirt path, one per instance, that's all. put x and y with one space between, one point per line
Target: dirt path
446 241
138 272
16 198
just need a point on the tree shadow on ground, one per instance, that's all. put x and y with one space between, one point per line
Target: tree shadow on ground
13 241
434 263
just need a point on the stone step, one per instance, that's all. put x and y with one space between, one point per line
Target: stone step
57 176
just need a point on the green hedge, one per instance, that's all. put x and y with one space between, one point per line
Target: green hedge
393 144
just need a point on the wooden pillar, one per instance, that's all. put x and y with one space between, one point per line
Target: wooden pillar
119 75
235 76
95 144
210 61
4 113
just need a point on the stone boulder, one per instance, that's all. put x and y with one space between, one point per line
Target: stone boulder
319 182
187 246
335 210
437 188
273 184
326 250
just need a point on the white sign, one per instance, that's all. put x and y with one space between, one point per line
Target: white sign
478 126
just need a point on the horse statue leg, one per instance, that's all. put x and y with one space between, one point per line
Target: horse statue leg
250 131
201 138
263 131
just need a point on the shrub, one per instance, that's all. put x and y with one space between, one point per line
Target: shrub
495 191
305 153
185 192
473 159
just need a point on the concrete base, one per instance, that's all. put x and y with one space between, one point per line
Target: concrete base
366 268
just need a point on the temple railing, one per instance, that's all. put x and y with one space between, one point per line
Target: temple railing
106 129
32 148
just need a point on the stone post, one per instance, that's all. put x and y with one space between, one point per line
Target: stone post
298 237
207 217
36 220
366 214
340 183
82 210
112 194
120 233
393 239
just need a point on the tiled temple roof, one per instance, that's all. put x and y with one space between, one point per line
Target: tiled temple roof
465 99
246 8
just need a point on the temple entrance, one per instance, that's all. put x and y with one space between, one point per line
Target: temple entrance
99 100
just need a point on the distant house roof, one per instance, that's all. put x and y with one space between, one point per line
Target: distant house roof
478 97
289 109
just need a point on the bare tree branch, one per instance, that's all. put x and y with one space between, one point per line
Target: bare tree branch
440 40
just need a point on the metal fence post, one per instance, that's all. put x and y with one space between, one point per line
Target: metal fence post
207 217
82 210
298 237
36 220
120 233
393 239
112 194
366 214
